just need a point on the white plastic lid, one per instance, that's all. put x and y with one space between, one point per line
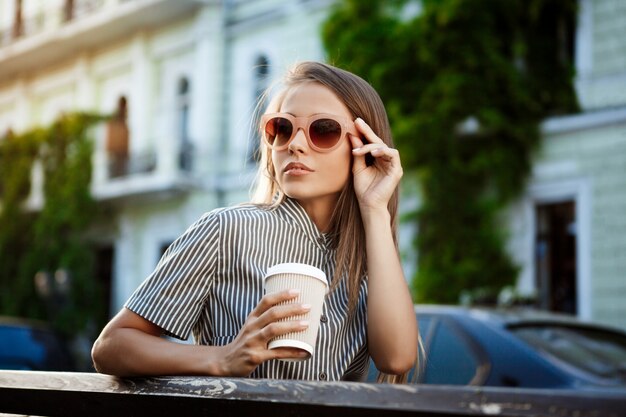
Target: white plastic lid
296 268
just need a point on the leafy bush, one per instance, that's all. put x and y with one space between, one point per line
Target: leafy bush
52 239
466 83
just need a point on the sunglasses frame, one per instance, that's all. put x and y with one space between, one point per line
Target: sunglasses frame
305 123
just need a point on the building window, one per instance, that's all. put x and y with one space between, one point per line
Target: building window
261 78
183 101
117 142
68 10
549 58
18 22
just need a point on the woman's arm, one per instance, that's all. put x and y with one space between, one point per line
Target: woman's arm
391 324
132 346
391 327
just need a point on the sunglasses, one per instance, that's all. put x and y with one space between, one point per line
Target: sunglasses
323 132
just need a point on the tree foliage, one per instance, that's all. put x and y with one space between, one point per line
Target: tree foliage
466 83
52 238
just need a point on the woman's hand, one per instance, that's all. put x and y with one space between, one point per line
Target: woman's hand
374 185
249 349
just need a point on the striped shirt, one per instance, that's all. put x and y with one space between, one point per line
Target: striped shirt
211 278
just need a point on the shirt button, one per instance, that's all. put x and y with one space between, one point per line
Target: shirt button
321 240
323 376
324 319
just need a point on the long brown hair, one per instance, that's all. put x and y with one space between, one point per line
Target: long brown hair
346 227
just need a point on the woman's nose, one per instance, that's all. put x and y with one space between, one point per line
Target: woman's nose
298 143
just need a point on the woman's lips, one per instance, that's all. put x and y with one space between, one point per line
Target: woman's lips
297 169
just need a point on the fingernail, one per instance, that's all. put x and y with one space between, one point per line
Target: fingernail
356 149
376 151
304 323
358 120
306 306
294 291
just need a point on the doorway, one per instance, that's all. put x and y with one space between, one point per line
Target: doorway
556 257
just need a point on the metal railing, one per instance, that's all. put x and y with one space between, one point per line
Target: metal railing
78 394
48 20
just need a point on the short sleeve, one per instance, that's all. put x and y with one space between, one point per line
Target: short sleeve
173 295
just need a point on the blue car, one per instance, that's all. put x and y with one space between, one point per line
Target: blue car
32 346
517 348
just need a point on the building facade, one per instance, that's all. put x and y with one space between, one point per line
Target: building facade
568 232
183 78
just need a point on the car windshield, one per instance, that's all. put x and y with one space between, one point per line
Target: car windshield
601 353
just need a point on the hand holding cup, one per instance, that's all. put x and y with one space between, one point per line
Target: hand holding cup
312 285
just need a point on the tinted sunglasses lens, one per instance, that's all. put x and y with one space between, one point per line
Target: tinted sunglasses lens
325 133
278 131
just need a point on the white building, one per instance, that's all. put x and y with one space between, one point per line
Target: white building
190 71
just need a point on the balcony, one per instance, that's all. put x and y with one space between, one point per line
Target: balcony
57 34
148 172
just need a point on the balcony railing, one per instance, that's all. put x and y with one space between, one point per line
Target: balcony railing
150 171
62 33
74 394
49 20
162 168
84 8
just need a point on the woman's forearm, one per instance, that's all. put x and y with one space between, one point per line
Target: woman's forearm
131 352
392 328
130 346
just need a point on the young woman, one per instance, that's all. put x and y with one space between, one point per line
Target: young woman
326 196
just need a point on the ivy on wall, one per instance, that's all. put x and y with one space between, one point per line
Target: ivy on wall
52 238
466 84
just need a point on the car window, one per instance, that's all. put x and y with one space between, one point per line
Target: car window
449 359
29 348
601 353
17 349
423 324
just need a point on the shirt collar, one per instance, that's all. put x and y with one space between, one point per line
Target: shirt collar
292 212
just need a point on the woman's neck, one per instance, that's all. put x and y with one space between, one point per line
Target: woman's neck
320 210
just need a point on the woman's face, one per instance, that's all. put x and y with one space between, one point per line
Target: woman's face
303 173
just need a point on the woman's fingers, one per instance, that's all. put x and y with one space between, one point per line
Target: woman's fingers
273 316
375 146
279 353
280 328
376 149
270 318
367 131
287 353
270 300
358 162
281 312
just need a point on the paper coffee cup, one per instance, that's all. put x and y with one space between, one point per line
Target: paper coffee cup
313 286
